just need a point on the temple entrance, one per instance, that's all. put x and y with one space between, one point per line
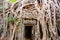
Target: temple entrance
28 32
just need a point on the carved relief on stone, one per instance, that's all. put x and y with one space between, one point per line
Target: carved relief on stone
32 22
28 1
29 11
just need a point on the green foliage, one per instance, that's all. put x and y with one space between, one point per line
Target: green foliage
15 18
1 7
12 19
18 24
12 1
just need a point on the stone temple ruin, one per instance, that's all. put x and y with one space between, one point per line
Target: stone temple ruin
30 20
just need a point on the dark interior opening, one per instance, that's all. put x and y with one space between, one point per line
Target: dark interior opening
14 37
51 38
41 33
28 32
58 32
49 35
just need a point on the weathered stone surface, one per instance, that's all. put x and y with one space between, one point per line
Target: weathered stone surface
35 13
33 22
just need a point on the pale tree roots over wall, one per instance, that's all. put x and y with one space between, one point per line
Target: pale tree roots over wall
42 15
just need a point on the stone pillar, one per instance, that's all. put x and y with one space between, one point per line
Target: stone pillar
21 32
33 32
37 32
44 29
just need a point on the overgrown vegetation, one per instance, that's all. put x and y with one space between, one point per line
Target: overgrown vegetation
37 13
11 19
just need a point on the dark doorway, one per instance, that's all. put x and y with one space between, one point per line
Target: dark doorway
41 32
28 32
58 32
